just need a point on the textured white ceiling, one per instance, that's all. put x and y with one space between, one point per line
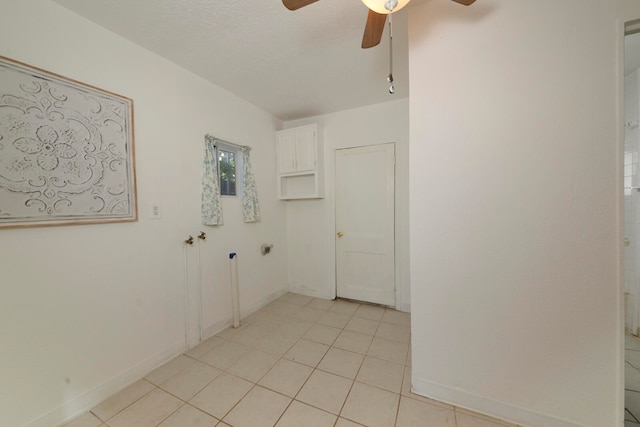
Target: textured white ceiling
293 64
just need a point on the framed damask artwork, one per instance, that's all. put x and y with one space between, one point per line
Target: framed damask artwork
66 151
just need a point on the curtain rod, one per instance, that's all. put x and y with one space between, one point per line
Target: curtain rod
215 139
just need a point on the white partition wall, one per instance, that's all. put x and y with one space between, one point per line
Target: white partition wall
516 236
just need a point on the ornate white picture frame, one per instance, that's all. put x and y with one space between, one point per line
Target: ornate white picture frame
66 151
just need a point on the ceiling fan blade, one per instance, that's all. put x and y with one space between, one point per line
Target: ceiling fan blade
374 29
465 2
296 4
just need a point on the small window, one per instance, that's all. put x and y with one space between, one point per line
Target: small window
229 168
227 164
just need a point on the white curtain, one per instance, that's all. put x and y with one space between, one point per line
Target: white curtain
211 202
250 205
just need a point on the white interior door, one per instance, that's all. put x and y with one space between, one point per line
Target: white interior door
365 211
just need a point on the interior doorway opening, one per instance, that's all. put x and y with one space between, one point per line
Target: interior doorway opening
631 224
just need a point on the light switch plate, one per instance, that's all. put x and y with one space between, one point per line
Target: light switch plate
156 212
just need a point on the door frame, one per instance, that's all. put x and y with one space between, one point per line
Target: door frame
630 28
397 223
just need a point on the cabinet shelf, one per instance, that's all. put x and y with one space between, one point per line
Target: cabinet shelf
298 186
293 174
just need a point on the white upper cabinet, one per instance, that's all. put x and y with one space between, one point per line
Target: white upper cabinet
286 150
306 149
299 159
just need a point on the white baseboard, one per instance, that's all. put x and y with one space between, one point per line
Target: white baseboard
483 405
89 399
310 292
84 402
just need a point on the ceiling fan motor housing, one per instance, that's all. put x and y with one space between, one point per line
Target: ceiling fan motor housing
385 7
390 5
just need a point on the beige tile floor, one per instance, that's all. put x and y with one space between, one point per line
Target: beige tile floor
297 362
632 381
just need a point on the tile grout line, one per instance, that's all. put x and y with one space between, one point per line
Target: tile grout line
256 383
127 406
316 369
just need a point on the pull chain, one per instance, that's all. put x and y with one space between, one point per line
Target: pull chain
392 89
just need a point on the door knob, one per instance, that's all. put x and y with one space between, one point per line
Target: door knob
339 234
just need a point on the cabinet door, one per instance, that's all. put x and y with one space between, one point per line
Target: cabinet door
286 152
306 149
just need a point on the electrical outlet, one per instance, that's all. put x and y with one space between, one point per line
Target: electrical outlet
156 213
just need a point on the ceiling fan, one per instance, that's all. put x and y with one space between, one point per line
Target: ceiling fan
377 18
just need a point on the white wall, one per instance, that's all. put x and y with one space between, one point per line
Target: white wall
86 309
311 223
516 176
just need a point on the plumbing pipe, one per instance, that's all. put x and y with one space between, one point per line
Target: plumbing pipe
199 268
186 297
235 297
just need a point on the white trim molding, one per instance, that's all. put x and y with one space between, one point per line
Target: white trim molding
89 399
486 406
